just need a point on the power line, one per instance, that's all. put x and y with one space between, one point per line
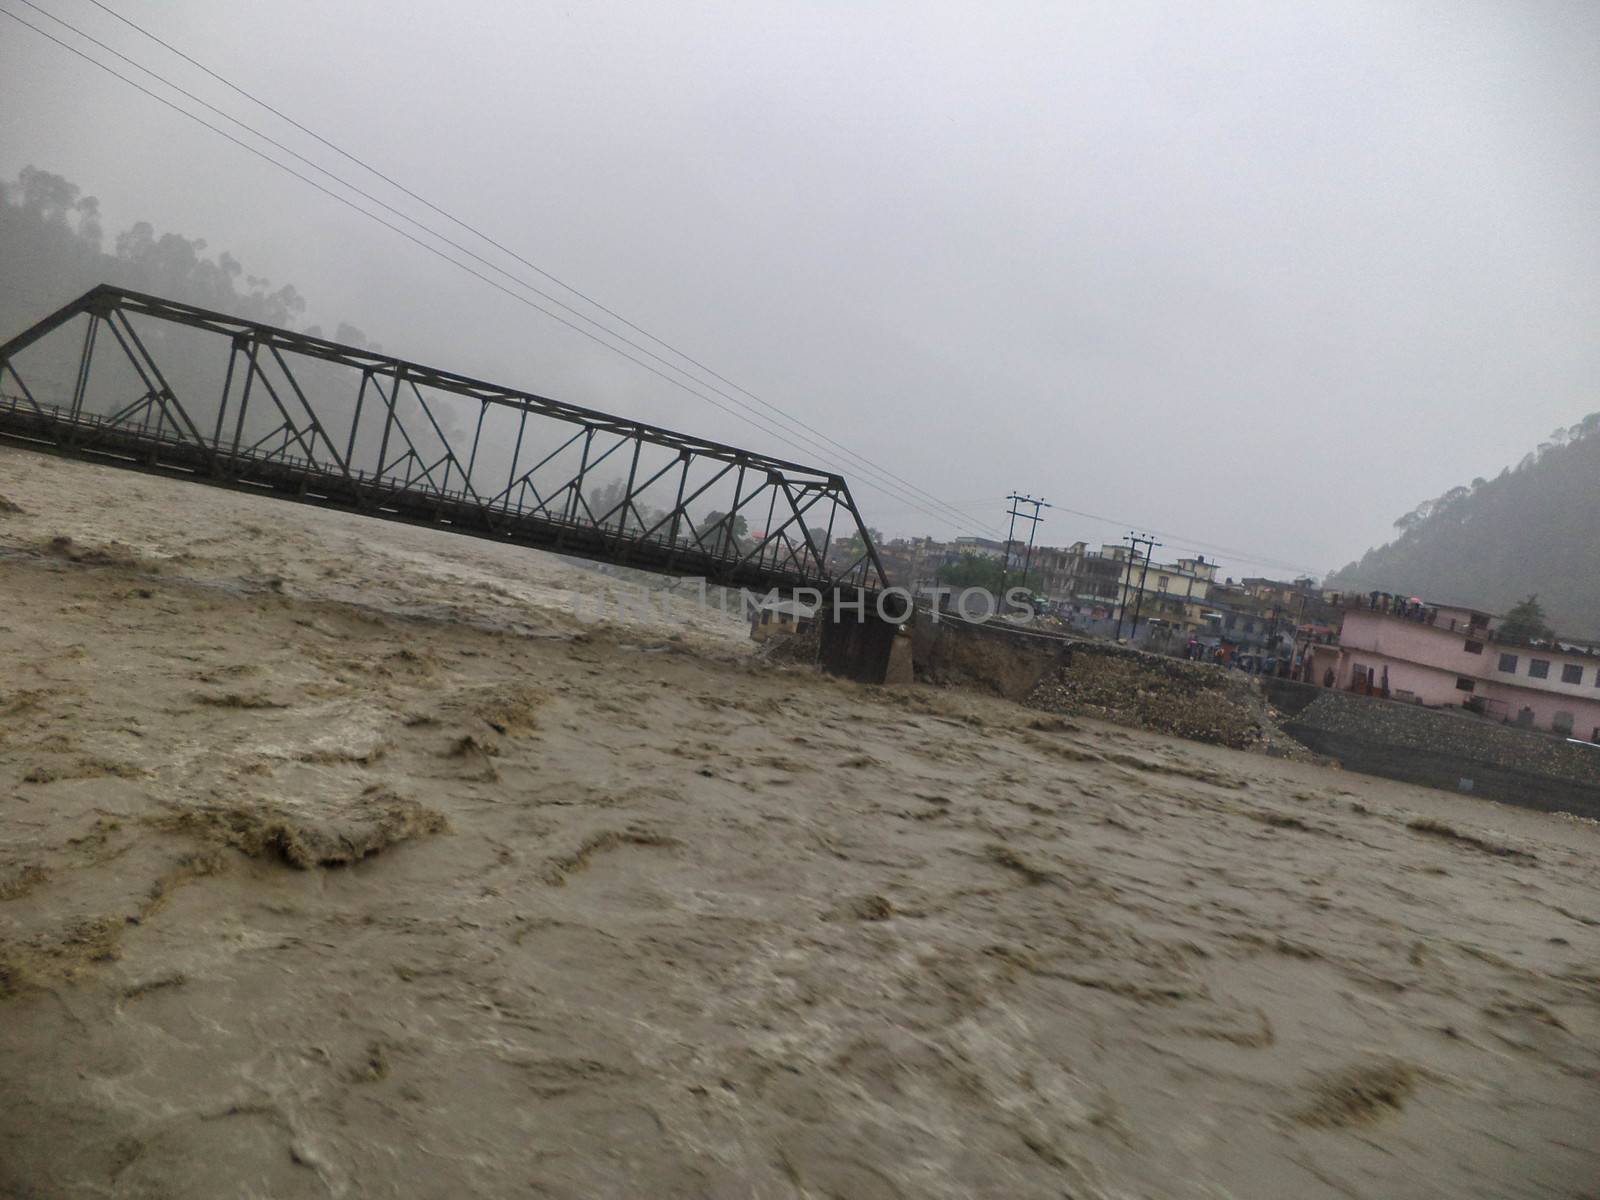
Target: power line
1248 556
796 422
748 418
872 473
872 477
1231 552
962 506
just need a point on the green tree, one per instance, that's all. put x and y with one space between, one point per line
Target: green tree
1526 620
972 570
858 547
718 536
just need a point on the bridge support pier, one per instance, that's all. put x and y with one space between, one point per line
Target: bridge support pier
865 643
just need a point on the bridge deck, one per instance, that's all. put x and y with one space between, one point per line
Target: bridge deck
88 437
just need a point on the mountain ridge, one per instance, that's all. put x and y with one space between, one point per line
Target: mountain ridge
1533 529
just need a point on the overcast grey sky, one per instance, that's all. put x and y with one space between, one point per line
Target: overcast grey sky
1264 275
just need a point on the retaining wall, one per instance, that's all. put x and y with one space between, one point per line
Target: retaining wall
1451 749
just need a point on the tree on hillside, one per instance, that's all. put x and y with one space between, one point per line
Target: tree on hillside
1526 620
53 245
53 248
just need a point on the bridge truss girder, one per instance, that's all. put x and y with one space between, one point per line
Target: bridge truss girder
532 471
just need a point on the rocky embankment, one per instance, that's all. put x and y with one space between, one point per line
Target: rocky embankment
1184 699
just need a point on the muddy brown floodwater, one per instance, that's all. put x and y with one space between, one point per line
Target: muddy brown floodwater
341 859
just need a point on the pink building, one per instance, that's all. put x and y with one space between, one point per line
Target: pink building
1443 656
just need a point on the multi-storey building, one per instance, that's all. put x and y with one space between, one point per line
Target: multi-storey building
1446 655
1077 578
983 547
914 562
1178 594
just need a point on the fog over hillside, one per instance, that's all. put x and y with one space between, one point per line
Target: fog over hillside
1533 528
55 249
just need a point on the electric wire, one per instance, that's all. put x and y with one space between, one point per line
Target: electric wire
479 233
749 418
961 512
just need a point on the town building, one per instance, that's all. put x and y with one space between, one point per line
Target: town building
1075 579
914 563
1176 594
984 547
1268 616
1445 655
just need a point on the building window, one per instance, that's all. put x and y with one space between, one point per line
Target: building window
1474 647
1572 673
1464 685
1562 723
1538 668
1508 663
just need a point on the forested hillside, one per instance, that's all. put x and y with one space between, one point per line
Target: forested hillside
1535 528
53 249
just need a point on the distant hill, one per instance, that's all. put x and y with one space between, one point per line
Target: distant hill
1534 528
52 250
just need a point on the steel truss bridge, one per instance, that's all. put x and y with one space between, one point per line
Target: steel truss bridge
136 381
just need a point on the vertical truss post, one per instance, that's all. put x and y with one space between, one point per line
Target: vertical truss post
85 361
575 496
472 458
627 491
516 455
227 387
388 421
772 508
355 418
244 398
677 503
726 544
827 548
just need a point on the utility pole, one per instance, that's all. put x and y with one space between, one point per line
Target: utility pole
1027 562
1303 654
1135 540
1005 555
1005 562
